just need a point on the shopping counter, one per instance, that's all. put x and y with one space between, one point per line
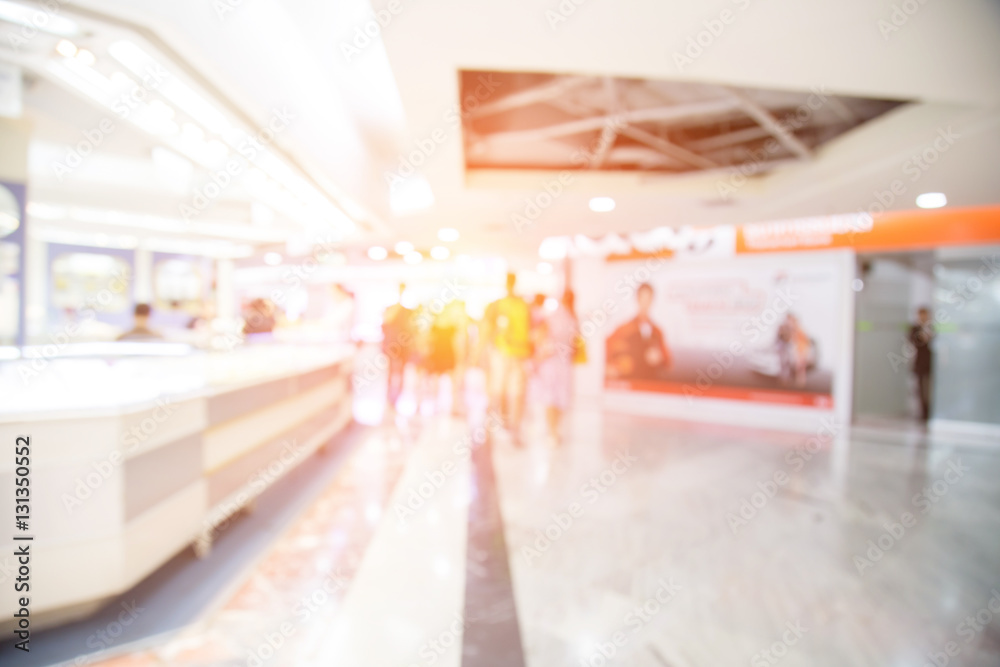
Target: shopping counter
135 458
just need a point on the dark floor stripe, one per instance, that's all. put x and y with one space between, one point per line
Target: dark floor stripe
492 637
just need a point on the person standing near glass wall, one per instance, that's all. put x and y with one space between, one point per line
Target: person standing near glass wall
921 337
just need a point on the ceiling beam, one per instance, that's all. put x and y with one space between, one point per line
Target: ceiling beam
535 95
653 114
662 145
668 148
729 139
610 131
771 124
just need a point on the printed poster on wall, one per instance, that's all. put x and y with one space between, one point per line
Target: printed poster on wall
744 331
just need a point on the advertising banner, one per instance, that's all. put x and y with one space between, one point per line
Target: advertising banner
746 330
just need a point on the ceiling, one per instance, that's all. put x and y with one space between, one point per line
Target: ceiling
546 121
675 102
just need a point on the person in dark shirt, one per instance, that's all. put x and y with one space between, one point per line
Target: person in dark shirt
921 337
637 350
140 331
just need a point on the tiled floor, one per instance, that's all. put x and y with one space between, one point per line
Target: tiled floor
639 542
820 547
282 612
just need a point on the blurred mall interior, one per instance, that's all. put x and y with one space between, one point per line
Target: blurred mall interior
531 333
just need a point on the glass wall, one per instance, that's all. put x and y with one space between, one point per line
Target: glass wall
967 353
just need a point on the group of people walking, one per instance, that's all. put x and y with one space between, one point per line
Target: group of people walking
514 342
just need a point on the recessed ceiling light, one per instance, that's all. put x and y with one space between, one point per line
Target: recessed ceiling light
413 257
378 253
66 48
272 258
554 247
448 234
439 252
412 195
403 248
602 204
932 200
544 268
86 57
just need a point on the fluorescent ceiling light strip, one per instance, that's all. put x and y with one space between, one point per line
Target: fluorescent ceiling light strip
144 65
177 225
38 17
195 106
189 101
82 85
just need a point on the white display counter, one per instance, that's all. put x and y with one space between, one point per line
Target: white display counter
134 458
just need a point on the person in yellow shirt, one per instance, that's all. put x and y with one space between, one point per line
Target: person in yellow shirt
507 333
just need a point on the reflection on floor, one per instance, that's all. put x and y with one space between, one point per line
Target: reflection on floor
699 545
639 542
282 611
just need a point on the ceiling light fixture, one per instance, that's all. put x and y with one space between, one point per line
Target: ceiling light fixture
403 248
448 234
932 200
411 195
413 257
272 259
439 252
86 57
554 247
377 253
602 204
66 48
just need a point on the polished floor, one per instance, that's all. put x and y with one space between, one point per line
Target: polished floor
639 541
